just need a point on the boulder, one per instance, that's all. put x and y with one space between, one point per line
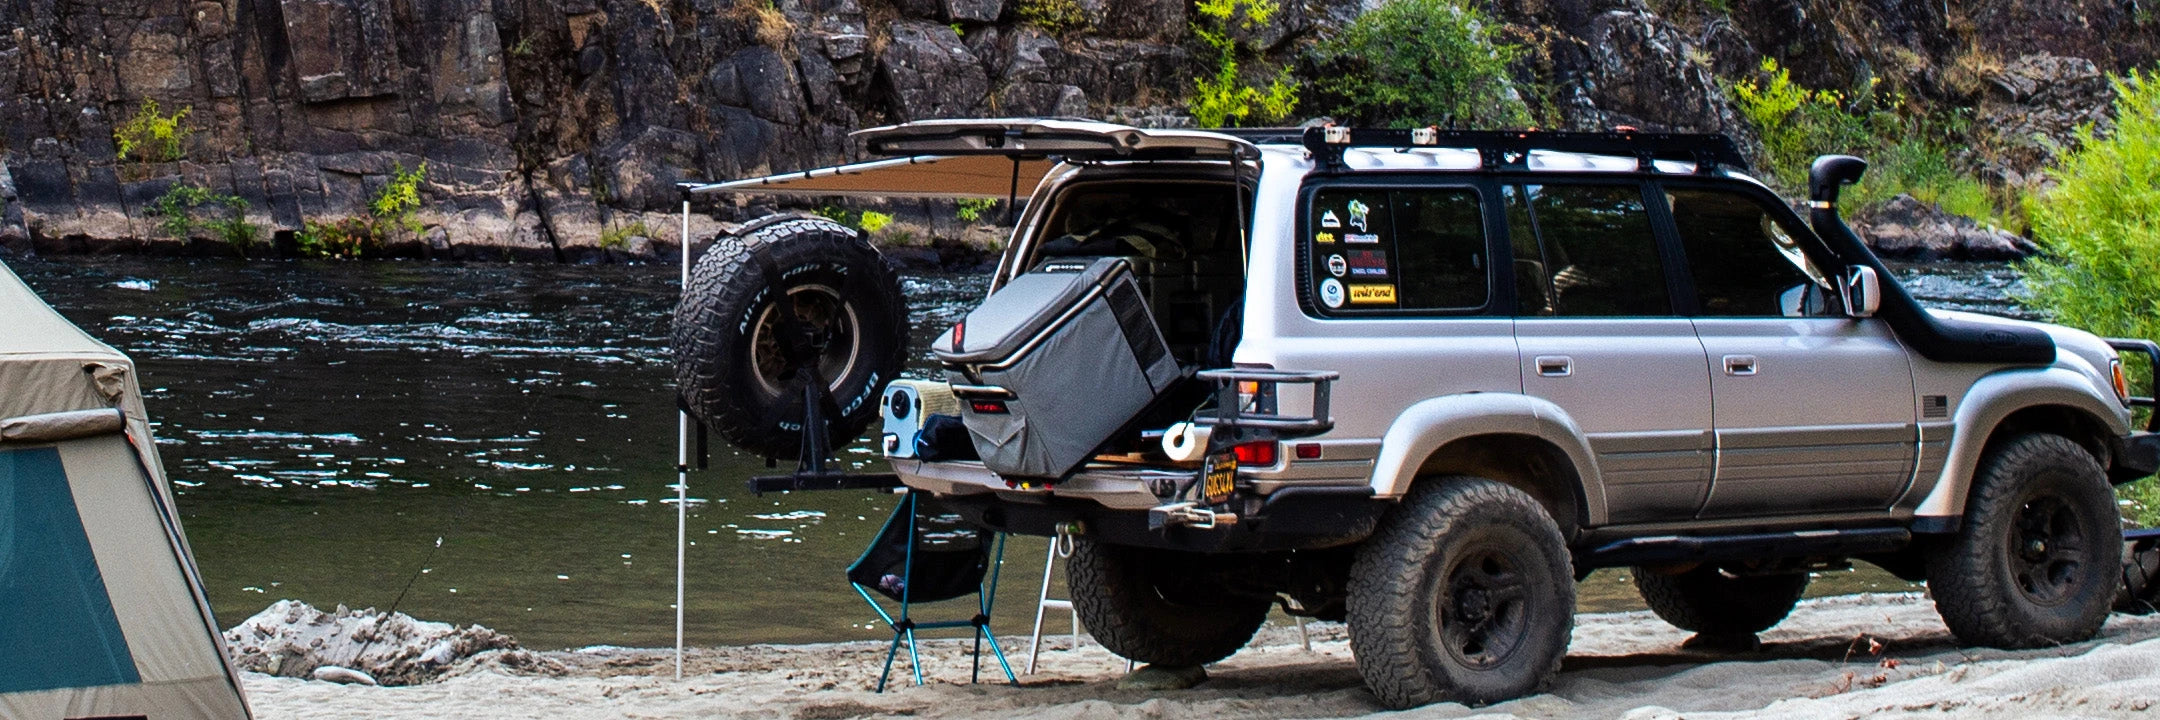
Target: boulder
1906 228
293 639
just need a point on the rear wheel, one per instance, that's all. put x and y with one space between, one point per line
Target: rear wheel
1465 592
2038 560
1160 607
775 306
1711 601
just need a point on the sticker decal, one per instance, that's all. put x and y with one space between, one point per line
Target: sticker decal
1358 211
1372 294
1364 238
1326 237
1337 266
1367 264
1331 293
1328 220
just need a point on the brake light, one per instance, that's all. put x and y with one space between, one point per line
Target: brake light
2122 383
987 407
1259 453
959 333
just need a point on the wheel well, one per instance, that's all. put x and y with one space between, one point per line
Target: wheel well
1530 464
2062 420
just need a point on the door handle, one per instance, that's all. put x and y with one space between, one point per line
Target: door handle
1555 365
1740 365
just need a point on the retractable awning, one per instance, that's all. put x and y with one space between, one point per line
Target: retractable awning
922 176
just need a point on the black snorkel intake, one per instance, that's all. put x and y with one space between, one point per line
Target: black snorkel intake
1936 338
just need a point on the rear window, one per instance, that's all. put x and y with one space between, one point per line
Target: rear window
1396 250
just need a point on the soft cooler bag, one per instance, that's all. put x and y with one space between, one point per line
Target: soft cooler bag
1077 354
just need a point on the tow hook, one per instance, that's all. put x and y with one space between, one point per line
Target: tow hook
1188 514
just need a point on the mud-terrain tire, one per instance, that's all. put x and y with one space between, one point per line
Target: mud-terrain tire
1710 601
1466 592
733 364
2038 559
1158 607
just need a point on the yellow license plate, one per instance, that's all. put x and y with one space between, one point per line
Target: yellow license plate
1221 478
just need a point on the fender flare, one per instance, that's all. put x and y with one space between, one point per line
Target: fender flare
1430 424
1986 404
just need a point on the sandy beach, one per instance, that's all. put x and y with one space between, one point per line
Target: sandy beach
1840 657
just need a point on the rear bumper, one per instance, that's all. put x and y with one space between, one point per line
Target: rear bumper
1113 507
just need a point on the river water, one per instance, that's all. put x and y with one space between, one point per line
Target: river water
325 423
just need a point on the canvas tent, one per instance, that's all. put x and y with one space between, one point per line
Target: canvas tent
102 613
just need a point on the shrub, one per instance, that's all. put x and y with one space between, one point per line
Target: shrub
152 136
1226 99
873 221
347 238
615 238
2099 232
229 224
1056 17
393 206
1412 63
972 209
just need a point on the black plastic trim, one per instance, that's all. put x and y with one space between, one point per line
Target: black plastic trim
2140 457
1701 548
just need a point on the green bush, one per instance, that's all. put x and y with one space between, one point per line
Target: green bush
615 238
1056 17
347 238
2099 232
393 206
1226 99
873 221
1411 63
972 209
177 212
152 136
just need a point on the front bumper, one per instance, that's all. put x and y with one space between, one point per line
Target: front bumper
2140 457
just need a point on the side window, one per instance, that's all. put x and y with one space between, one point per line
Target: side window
1383 249
1593 253
1742 262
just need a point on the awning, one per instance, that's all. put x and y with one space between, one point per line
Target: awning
922 176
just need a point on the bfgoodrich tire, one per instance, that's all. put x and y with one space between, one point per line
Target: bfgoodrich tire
1710 601
741 366
1160 607
2038 558
1465 592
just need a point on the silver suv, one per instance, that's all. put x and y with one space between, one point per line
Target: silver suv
1424 381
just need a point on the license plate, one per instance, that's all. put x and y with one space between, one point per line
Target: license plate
1220 479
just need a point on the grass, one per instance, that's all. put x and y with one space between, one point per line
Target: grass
178 212
617 237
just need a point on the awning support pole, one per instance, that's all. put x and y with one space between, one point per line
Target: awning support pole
682 461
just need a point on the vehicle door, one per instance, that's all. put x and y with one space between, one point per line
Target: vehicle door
1598 334
1814 410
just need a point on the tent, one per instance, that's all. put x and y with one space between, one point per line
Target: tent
102 613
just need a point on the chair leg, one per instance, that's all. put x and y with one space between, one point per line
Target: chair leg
914 656
984 631
891 651
1303 636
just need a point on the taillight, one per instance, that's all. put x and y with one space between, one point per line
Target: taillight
987 407
2122 383
1259 453
1308 451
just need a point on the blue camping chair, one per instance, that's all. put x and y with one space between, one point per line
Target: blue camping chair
927 554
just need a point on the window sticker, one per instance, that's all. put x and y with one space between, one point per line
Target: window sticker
1328 220
1371 294
1364 264
1358 211
1331 292
1337 266
1326 237
1362 238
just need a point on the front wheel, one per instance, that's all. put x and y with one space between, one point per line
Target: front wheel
1465 593
2039 558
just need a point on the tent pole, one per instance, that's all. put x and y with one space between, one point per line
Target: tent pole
682 461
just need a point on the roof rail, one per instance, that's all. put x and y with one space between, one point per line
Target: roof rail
1511 148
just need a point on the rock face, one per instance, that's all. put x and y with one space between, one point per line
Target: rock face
544 123
1908 229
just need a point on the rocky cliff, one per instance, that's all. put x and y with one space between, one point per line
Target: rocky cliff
542 122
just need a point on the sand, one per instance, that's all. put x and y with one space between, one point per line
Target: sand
1853 656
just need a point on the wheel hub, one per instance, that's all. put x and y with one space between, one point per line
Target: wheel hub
2047 550
823 337
1485 615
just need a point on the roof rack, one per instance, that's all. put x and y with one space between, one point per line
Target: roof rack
1510 149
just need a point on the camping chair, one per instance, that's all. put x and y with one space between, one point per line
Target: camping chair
926 554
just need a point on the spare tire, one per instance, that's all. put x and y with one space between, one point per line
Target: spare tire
741 367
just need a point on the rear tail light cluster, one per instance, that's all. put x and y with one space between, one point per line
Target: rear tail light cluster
1260 453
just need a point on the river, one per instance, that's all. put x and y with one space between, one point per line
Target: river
324 423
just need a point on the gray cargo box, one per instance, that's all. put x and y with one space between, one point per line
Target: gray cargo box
1075 355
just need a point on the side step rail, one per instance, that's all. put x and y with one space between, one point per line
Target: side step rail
1669 549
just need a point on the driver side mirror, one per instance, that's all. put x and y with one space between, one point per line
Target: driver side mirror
1863 292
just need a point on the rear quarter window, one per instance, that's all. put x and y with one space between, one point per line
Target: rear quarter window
1383 251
